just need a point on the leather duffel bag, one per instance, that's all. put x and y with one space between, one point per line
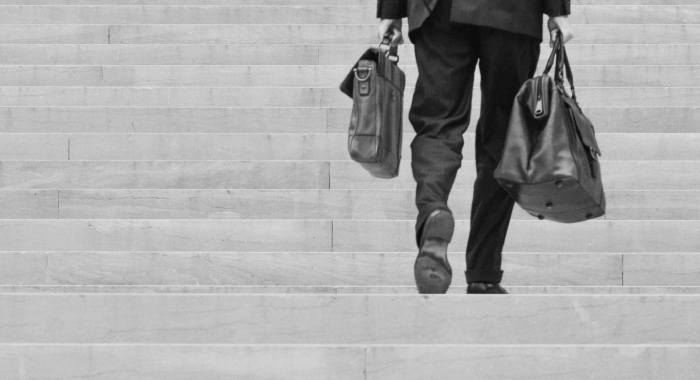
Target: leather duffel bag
550 161
376 85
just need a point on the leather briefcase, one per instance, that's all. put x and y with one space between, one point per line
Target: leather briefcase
550 161
376 85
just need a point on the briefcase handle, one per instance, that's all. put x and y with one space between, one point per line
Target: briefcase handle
385 45
563 66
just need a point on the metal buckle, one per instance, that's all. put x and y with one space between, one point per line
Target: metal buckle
594 154
364 69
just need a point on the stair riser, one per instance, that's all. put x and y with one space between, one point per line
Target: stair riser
317 147
302 76
337 175
297 2
290 120
297 14
531 236
337 269
247 97
346 55
321 270
315 319
299 204
344 290
338 236
140 362
617 175
164 174
302 34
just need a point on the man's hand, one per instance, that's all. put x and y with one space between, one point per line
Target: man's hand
386 25
559 23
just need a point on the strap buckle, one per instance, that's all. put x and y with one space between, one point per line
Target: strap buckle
368 70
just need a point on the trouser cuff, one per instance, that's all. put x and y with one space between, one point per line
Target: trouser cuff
484 276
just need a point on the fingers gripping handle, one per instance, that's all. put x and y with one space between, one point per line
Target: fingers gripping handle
385 45
563 67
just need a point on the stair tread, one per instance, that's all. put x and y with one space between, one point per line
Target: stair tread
115 119
310 54
358 290
302 34
350 362
230 235
323 271
221 76
304 204
352 319
325 97
301 14
319 146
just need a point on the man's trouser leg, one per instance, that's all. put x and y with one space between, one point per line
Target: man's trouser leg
446 54
507 60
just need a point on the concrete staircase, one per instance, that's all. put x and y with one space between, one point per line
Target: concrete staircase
176 202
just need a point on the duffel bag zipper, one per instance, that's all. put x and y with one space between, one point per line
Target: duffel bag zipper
539 107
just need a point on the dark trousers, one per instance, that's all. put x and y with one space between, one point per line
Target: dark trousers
447 54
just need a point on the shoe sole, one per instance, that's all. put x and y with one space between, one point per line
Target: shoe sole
433 275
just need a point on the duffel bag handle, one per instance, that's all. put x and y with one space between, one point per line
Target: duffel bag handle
385 45
563 66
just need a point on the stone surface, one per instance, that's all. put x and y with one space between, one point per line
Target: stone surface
333 204
258 270
164 174
531 236
165 235
349 319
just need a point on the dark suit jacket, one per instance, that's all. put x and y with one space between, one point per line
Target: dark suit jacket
518 16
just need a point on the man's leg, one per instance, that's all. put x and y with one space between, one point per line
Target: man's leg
446 56
507 60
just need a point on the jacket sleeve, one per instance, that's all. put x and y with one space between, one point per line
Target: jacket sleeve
395 9
553 8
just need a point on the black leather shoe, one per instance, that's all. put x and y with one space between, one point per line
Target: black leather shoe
432 270
485 288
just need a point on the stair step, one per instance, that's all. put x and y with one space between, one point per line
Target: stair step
323 272
166 235
336 175
290 120
617 175
579 54
301 204
408 289
293 146
184 14
28 204
350 319
301 14
292 54
528 236
299 2
324 269
303 34
185 235
334 34
327 97
580 14
164 174
353 362
34 147
301 76
651 119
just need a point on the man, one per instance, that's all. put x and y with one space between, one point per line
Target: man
450 38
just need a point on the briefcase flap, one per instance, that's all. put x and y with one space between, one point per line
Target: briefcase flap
385 69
